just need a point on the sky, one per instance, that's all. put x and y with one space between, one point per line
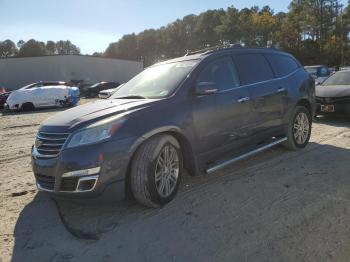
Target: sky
93 24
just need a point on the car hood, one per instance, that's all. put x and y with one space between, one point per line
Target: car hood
91 112
333 91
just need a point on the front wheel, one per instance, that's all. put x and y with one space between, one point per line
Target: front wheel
27 106
156 171
299 128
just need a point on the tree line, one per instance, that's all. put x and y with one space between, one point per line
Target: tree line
36 48
315 31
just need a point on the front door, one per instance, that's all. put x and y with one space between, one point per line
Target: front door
221 120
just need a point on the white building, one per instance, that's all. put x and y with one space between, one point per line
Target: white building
20 71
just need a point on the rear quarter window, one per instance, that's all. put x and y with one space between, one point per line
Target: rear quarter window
282 65
253 68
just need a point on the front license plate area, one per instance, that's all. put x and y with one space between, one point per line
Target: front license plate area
327 108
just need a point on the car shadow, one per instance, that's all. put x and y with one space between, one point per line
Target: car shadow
210 213
334 120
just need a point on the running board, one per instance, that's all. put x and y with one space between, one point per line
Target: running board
255 151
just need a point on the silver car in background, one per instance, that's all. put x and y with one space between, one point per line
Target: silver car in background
104 94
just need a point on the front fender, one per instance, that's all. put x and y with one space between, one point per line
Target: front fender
147 135
190 160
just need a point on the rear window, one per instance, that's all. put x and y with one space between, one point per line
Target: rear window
281 64
253 68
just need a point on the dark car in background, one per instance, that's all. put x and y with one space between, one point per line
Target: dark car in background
94 90
200 112
333 96
3 98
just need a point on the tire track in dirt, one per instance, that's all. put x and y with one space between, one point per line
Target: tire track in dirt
4 160
20 126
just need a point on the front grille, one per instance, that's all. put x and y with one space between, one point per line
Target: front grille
50 144
45 182
333 100
69 183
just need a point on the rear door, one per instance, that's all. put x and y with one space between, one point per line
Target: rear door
221 120
265 92
285 68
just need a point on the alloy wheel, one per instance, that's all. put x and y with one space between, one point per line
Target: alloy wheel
301 128
167 171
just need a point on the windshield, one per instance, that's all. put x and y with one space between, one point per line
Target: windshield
30 86
157 81
339 78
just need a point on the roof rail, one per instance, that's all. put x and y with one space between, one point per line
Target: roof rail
213 49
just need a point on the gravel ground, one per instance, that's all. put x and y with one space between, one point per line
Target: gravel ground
276 206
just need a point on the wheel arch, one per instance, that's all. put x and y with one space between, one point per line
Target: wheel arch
189 159
28 103
304 102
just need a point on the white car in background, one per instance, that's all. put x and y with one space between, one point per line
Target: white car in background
43 94
104 94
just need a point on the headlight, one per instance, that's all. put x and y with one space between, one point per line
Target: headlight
95 133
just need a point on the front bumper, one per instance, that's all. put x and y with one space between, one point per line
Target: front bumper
63 175
13 107
341 105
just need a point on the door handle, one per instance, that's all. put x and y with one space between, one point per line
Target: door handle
281 90
243 99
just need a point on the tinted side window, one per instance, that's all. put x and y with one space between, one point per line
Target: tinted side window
221 72
281 64
253 68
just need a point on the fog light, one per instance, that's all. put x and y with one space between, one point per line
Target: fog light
83 172
87 183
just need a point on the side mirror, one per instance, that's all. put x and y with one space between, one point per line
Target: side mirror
317 83
206 88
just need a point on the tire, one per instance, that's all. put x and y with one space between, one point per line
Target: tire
147 173
27 106
295 142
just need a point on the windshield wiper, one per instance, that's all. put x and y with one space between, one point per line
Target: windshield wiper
130 97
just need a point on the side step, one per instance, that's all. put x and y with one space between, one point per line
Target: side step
225 163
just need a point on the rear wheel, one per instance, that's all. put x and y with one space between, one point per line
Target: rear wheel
299 128
27 106
156 171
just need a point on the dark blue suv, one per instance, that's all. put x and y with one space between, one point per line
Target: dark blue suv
200 112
